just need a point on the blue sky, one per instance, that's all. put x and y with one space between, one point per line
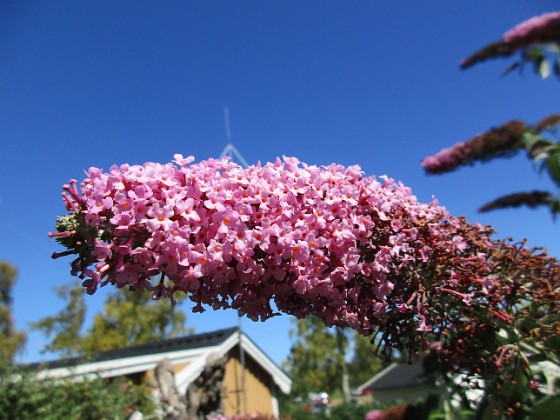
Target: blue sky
93 83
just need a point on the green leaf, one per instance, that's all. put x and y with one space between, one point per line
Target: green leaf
554 345
553 166
544 69
528 323
493 404
547 408
511 68
531 139
539 357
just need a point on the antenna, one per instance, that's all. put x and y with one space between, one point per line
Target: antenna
232 153
230 149
226 121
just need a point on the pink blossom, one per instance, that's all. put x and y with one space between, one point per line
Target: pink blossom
504 140
538 29
375 415
326 241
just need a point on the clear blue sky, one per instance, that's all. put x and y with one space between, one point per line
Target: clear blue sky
92 83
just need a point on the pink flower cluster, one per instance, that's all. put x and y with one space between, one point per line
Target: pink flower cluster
325 241
543 29
446 159
501 141
538 29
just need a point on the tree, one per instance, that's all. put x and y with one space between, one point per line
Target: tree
11 340
329 359
132 318
65 327
127 319
315 360
364 364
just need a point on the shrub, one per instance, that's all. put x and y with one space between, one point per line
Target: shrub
24 395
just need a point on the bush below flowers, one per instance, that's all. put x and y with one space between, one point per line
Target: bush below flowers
355 251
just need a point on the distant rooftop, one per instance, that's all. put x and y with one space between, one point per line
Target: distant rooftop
396 376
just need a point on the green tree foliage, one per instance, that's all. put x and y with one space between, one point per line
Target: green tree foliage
127 319
363 364
314 363
319 356
11 340
30 397
130 318
65 327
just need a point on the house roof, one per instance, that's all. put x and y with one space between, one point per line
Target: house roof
396 376
193 349
194 341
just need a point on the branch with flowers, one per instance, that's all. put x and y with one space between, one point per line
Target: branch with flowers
287 237
529 330
507 140
538 40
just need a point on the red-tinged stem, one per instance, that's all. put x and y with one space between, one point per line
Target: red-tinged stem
61 234
56 255
70 204
409 301
74 185
503 351
73 191
500 315
452 292
125 182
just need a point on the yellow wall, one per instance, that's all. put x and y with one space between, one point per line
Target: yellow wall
150 376
178 367
257 383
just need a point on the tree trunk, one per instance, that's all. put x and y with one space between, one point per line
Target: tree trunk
205 394
344 367
174 404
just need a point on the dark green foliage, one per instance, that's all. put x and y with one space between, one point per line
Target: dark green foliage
127 319
315 362
349 411
11 340
318 356
65 327
131 318
364 364
24 396
547 408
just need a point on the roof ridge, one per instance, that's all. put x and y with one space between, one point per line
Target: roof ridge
193 341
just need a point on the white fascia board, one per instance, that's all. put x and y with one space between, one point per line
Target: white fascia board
127 365
280 378
186 376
